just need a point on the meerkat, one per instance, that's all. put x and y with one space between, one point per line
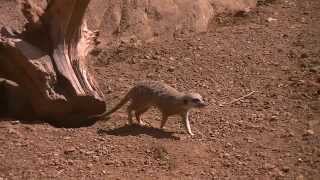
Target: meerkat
167 99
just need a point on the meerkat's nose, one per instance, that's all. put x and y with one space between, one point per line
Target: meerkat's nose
203 104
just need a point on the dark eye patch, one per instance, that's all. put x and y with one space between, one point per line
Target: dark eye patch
195 100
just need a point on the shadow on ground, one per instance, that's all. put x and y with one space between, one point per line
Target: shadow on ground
135 130
66 123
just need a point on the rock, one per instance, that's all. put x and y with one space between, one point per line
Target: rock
150 75
250 139
147 57
228 145
15 122
69 150
291 134
304 55
315 69
273 118
89 165
268 166
150 19
270 19
226 155
15 132
285 169
309 132
171 69
171 58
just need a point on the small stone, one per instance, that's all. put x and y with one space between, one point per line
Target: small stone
14 122
67 138
70 162
269 166
228 145
147 57
95 158
69 150
132 61
171 69
89 165
171 58
15 132
273 118
304 55
150 75
109 163
199 47
285 169
226 155
309 132
315 69
291 134
270 19
250 140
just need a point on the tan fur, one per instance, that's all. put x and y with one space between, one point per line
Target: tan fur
167 99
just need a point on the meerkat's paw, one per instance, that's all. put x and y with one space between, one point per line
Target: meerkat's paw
141 123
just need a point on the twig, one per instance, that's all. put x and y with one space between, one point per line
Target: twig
238 99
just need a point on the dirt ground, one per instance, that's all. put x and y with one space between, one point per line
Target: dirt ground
272 53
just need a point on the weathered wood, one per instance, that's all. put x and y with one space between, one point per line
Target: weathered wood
49 62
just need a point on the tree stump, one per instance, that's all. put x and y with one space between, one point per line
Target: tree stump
48 60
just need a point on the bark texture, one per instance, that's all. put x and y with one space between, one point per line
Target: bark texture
48 60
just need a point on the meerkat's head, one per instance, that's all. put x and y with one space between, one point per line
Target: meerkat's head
193 100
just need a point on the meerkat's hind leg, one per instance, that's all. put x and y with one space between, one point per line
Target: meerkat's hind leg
129 111
164 120
138 114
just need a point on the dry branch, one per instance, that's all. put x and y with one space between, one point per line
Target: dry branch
238 99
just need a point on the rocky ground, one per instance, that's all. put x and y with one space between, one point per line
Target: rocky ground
272 55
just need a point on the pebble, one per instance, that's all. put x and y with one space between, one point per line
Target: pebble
285 169
304 55
69 150
273 118
309 132
269 166
270 19
171 69
14 122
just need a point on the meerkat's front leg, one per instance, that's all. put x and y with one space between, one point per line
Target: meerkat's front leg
185 117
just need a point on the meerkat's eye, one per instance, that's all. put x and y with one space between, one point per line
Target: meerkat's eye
195 100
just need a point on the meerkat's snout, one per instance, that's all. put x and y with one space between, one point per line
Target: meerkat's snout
195 100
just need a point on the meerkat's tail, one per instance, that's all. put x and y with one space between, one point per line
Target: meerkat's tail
123 101
119 105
